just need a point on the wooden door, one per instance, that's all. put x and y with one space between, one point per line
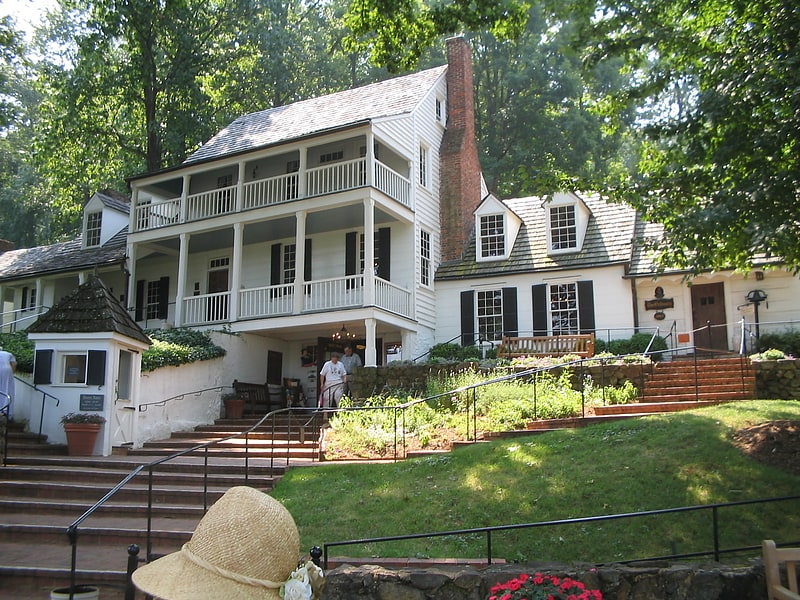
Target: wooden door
708 308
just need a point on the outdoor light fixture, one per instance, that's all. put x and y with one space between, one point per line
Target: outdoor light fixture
343 334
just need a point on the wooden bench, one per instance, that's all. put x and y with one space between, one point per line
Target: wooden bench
547 345
773 557
259 398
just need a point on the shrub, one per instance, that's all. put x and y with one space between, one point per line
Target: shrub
636 344
174 347
454 353
770 354
788 341
21 347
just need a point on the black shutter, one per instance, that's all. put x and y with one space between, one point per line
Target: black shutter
468 318
24 304
43 367
96 367
307 263
510 326
384 253
163 297
539 309
275 265
586 306
350 250
138 314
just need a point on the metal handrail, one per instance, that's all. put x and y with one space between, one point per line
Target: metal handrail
44 394
716 550
219 388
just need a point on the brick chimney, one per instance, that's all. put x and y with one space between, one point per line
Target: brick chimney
460 191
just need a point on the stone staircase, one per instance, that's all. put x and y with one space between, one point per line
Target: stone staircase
42 491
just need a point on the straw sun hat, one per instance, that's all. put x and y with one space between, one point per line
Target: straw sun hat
245 547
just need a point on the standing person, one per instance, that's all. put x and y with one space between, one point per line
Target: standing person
350 362
8 365
332 383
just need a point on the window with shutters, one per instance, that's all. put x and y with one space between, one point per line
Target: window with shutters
564 308
153 299
289 263
73 368
490 314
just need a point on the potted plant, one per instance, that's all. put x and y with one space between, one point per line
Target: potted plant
81 430
234 405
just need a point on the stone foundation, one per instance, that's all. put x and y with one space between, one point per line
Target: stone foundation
653 581
777 379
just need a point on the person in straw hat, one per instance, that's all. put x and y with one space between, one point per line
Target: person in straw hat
246 547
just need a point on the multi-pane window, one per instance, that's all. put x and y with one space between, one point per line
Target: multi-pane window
424 257
28 298
492 236
94 222
564 308
423 166
563 230
225 197
376 253
331 157
152 300
289 263
292 166
439 110
490 314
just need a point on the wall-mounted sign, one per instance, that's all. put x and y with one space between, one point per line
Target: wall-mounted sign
659 304
659 316
92 402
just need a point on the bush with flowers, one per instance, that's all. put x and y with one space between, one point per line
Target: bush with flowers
542 587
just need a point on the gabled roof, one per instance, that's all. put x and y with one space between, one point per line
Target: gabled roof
89 309
609 238
114 200
61 257
388 98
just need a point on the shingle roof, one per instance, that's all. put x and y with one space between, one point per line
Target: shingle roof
391 97
608 240
89 309
63 256
115 200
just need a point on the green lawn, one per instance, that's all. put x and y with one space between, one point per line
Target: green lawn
633 465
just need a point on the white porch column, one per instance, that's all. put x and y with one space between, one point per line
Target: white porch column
302 177
130 293
240 188
407 339
299 259
184 194
371 352
132 217
370 158
236 275
369 252
180 291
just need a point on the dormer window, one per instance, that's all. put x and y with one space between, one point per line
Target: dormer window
563 228
440 117
492 236
94 223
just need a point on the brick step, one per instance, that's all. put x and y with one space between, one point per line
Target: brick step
666 397
129 493
94 534
206 435
111 477
276 453
125 465
646 408
707 378
35 449
682 388
75 508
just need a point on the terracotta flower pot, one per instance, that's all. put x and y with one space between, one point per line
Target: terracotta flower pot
81 438
234 408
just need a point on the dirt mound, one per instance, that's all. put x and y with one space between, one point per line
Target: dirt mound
776 444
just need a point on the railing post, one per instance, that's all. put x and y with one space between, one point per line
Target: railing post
489 546
133 563
715 519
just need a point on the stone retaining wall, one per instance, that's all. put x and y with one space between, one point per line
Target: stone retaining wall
413 378
654 581
778 379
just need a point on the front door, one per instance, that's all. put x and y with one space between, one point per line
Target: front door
124 410
217 308
708 315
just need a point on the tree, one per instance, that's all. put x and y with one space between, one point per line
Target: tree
397 32
721 168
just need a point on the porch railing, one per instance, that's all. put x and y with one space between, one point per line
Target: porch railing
267 301
206 308
339 292
391 297
326 179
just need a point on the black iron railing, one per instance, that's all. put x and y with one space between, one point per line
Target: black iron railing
713 549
